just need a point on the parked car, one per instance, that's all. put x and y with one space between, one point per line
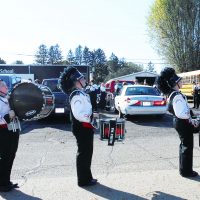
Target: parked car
140 100
62 106
10 80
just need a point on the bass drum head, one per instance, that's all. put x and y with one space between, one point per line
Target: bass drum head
26 100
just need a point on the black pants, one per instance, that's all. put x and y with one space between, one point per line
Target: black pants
93 99
84 139
196 101
8 148
185 131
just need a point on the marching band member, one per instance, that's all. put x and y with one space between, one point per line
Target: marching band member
8 140
102 101
195 93
93 95
73 82
169 84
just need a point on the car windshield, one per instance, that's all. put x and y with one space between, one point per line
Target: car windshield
52 84
141 91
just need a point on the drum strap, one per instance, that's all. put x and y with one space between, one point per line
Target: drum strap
111 138
74 93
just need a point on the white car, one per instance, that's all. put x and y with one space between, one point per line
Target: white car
140 100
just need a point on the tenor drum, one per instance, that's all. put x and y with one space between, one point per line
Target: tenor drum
31 101
105 129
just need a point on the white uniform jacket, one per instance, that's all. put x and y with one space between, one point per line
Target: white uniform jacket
181 107
4 109
81 106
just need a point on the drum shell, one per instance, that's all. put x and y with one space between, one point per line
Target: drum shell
31 101
119 129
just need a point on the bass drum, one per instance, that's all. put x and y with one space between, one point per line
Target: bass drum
31 101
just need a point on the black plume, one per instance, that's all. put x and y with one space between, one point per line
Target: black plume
164 81
65 83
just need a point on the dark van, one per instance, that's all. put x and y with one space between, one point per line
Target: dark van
62 106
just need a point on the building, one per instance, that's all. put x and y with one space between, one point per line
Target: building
142 77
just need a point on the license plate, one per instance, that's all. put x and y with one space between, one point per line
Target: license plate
59 110
146 103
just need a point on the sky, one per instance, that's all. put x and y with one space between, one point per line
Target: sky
118 26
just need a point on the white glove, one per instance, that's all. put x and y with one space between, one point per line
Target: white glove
195 123
11 114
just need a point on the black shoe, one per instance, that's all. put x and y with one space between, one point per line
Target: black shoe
9 187
90 183
192 174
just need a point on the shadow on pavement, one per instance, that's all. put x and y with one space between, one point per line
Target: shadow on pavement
144 120
152 120
61 123
111 193
197 178
17 195
161 195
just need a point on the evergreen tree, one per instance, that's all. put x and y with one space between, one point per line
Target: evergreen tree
113 63
150 67
86 56
78 55
2 61
70 57
55 55
41 56
100 66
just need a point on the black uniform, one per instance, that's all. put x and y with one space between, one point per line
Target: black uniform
196 97
183 125
103 94
81 114
93 97
8 146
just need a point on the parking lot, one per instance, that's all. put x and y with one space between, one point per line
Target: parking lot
143 166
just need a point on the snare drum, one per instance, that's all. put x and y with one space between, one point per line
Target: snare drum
105 129
31 101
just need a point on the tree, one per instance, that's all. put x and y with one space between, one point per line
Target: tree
55 55
150 67
100 66
86 56
174 27
113 63
2 61
128 68
70 57
42 55
78 55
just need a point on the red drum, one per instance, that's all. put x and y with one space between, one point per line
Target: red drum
105 129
